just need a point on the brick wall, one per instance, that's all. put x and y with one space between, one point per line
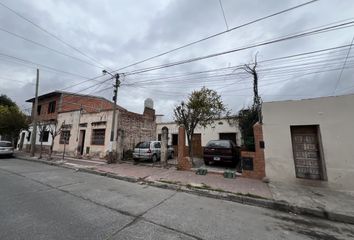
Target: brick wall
137 127
258 156
44 103
89 104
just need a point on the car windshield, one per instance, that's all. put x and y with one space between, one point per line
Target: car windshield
143 145
5 144
219 144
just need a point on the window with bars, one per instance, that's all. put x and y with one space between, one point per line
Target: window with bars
44 136
98 136
64 137
51 107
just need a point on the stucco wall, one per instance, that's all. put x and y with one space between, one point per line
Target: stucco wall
207 134
136 127
73 119
335 117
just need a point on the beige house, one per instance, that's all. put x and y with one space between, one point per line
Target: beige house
88 133
310 139
221 129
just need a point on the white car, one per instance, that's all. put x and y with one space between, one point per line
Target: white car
6 148
150 150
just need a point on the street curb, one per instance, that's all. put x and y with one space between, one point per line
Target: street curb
282 206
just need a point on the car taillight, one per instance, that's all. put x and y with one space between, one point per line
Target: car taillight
149 151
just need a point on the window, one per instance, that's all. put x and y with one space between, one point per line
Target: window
159 137
44 136
219 144
143 145
51 107
64 137
157 145
98 136
174 139
39 108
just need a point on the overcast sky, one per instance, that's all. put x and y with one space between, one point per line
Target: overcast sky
117 33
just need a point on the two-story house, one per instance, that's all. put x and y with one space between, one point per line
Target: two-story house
50 105
85 122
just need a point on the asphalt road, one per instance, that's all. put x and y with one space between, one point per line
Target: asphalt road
39 201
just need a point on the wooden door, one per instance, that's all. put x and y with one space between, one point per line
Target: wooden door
197 145
82 141
306 152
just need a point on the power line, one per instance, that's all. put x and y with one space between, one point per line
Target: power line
218 34
42 65
49 48
303 34
14 80
237 66
51 34
341 72
223 13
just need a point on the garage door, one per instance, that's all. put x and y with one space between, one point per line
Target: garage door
306 152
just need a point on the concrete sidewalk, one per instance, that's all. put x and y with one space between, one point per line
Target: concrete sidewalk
302 197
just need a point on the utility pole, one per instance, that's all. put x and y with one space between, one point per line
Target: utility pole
35 116
112 156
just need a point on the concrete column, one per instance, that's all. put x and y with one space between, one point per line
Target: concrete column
164 146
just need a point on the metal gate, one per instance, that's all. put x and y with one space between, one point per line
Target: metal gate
306 152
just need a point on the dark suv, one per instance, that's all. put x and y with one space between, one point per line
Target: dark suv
221 151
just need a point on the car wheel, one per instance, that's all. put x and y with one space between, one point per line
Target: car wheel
154 158
206 162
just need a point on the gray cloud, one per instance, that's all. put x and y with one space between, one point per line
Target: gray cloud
118 33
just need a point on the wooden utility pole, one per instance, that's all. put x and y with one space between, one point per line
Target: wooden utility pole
35 116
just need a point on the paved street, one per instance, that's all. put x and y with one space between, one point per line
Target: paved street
39 201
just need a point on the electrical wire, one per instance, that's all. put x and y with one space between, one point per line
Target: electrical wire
49 48
217 34
51 34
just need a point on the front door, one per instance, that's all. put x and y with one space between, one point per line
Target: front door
197 145
82 141
306 150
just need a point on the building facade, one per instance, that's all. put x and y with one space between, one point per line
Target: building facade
85 117
87 134
310 139
221 129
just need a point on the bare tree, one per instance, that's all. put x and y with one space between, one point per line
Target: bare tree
251 68
54 132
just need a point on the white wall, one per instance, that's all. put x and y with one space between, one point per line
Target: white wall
207 134
335 117
73 118
28 142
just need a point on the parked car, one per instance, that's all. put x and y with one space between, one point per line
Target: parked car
221 151
150 150
6 148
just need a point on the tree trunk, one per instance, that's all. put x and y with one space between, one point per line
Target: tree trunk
41 150
51 149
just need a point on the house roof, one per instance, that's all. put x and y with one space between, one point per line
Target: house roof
59 92
313 98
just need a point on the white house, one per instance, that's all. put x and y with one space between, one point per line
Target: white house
311 139
221 129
